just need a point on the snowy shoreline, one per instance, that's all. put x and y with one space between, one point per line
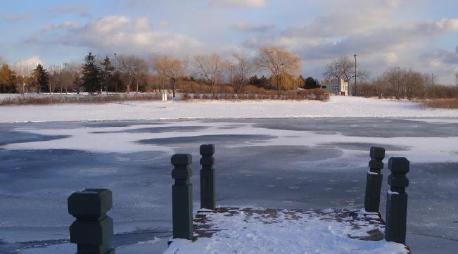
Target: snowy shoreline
156 110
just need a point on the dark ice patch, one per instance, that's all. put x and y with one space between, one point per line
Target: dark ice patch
285 154
202 139
13 137
54 164
364 146
271 162
230 127
118 124
157 130
362 127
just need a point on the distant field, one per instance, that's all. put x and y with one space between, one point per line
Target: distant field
337 106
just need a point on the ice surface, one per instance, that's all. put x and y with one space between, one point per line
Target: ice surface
312 162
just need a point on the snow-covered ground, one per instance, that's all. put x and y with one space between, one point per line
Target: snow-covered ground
338 106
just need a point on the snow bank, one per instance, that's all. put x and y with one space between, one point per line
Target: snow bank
154 110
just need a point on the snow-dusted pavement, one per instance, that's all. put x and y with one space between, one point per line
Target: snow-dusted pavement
303 162
272 231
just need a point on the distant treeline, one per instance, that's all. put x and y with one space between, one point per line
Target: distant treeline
405 84
123 73
271 69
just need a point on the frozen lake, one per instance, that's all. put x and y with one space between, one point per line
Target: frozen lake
278 163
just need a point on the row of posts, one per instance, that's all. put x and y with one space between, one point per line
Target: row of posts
396 199
92 230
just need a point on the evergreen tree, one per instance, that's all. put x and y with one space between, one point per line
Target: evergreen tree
262 82
41 79
106 73
311 83
91 74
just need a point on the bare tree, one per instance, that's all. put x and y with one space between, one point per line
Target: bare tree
342 68
210 68
133 69
170 68
55 72
401 83
69 73
62 77
240 68
278 62
24 72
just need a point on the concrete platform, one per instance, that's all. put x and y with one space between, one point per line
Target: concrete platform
259 230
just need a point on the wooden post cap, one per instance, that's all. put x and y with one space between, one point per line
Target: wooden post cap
207 149
90 204
377 153
181 159
399 165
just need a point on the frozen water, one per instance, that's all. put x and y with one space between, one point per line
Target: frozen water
279 163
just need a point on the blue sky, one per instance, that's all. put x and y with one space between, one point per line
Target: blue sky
417 34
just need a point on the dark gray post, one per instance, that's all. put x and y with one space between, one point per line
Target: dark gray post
93 229
207 177
396 202
374 180
182 197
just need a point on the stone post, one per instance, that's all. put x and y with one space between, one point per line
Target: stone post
374 180
207 177
182 197
93 229
396 202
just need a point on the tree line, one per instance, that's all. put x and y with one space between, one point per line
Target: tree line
400 83
395 82
271 68
278 68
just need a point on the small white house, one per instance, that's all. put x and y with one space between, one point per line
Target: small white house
338 87
165 95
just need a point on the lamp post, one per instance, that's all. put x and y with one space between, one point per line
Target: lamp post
354 94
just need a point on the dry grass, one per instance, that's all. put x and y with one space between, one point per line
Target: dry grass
58 99
259 94
442 103
312 94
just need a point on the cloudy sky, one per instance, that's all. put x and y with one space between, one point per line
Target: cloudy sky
417 34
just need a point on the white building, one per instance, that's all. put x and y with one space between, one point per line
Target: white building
338 87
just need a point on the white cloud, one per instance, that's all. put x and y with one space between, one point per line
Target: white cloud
119 34
246 27
239 3
384 33
380 44
391 58
448 24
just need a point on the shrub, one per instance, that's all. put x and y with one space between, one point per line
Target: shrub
442 103
59 99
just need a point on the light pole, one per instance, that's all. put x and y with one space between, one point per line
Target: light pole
355 55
